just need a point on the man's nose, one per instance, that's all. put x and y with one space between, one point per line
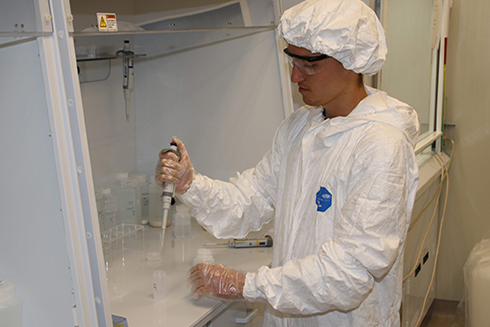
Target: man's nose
296 75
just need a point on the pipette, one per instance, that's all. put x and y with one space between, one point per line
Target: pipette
265 242
128 89
128 74
167 195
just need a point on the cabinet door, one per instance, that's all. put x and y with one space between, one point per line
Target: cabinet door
33 248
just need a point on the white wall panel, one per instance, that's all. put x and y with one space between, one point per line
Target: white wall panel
223 101
32 237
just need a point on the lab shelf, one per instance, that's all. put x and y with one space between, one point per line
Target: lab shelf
138 32
163 42
98 57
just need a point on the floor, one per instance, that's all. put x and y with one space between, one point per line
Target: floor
444 313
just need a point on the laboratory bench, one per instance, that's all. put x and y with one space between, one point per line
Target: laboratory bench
130 277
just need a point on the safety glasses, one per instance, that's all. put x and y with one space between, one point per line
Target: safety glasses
306 65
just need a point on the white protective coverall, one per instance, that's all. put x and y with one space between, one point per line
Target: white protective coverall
341 191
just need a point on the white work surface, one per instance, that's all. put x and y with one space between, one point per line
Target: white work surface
178 308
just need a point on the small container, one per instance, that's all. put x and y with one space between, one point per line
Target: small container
125 192
109 209
156 206
183 253
182 221
203 256
10 305
154 255
159 281
143 196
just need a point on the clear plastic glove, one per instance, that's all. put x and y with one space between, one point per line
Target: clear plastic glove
216 280
169 169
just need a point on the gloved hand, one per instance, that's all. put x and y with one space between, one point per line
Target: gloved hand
216 280
169 170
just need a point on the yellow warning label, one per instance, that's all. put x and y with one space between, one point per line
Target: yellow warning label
102 22
107 22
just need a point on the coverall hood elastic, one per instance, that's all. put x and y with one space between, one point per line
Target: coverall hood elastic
393 113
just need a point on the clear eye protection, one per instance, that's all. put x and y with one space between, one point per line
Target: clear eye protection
306 65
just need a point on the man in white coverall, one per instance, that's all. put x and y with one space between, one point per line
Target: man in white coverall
340 181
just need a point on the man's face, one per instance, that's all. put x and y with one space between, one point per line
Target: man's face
325 88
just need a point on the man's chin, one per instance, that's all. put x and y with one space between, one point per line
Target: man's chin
310 102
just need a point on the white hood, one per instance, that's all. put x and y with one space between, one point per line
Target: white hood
378 107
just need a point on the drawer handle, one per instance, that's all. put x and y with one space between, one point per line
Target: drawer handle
250 316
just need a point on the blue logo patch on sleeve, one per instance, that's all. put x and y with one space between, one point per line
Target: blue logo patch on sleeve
323 199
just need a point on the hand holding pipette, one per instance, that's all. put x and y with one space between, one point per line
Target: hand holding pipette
174 173
172 169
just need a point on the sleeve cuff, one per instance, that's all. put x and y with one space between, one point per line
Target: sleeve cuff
252 288
250 293
193 190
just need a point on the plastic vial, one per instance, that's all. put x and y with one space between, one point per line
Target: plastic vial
125 192
182 222
143 196
156 206
203 256
154 256
109 208
10 305
159 279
